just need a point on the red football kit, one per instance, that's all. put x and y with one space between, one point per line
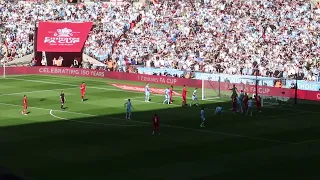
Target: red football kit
171 93
156 124
234 104
83 90
184 95
258 103
245 100
25 103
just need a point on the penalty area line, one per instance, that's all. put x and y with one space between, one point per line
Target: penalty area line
88 122
30 92
163 125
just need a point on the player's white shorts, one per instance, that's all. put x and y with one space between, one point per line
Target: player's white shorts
167 96
194 98
203 118
147 93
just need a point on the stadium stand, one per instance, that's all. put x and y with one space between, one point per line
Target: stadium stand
272 38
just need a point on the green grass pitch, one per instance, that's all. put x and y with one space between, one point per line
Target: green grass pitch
91 140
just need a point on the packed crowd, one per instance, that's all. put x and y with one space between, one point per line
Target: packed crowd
277 38
273 38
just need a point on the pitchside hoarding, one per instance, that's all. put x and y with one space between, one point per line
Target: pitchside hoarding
265 90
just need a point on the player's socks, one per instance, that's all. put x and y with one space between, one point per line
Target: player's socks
202 124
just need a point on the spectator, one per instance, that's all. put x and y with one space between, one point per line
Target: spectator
275 38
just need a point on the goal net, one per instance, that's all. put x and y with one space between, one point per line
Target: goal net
269 90
262 86
213 89
210 89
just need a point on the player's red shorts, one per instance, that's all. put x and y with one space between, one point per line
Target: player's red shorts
25 106
155 126
184 98
234 106
83 92
259 105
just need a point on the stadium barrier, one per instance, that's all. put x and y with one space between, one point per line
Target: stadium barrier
269 81
265 90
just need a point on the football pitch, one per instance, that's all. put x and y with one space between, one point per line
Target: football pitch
91 140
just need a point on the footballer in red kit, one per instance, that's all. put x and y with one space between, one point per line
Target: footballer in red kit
258 103
171 94
156 124
184 96
245 100
83 90
234 104
25 105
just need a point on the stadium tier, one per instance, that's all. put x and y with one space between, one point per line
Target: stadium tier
159 90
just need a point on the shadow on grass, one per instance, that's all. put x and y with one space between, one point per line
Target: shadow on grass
109 147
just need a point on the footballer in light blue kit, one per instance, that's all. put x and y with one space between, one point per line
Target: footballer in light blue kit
249 110
166 96
194 98
129 107
203 117
147 93
218 110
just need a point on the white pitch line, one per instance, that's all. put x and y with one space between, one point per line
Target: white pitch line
308 141
170 126
88 122
51 113
176 105
29 92
291 114
88 87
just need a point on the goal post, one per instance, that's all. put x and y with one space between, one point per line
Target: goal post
210 89
261 86
213 89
